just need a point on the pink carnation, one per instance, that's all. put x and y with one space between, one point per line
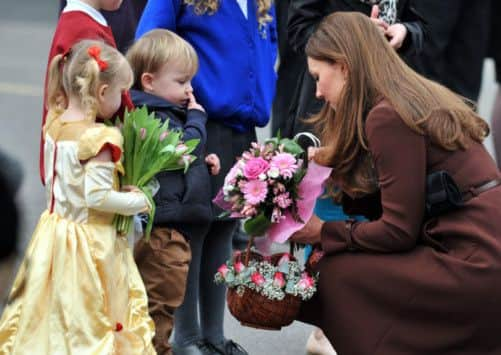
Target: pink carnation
257 278
254 167
255 191
285 163
283 200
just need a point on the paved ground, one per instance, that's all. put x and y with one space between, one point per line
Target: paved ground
25 32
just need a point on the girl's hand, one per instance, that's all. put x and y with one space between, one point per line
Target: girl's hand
131 188
381 24
193 104
396 34
212 160
310 233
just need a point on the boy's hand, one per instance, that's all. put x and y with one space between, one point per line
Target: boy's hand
213 163
193 104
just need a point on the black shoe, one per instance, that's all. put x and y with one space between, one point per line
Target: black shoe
232 348
208 348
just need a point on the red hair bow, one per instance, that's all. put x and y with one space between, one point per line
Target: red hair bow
95 52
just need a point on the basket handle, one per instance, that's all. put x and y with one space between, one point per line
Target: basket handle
251 242
311 136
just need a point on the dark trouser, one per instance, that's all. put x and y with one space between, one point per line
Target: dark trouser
202 314
163 264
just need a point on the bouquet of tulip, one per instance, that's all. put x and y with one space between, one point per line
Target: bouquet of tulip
149 148
271 280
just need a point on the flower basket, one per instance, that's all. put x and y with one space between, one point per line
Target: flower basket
254 310
265 307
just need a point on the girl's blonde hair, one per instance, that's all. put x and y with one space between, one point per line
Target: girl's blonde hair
211 6
79 75
157 48
376 71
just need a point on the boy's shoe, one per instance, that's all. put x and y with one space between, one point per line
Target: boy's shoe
207 348
229 347
191 349
318 344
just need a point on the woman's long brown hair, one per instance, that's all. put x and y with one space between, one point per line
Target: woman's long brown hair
376 71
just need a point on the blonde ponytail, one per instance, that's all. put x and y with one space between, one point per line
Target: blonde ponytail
57 99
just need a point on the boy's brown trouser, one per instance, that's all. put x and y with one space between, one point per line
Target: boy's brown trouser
163 263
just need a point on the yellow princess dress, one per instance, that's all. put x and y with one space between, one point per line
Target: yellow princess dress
78 290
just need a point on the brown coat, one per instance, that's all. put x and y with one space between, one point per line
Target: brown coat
384 289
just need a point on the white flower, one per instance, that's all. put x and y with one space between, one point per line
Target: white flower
262 176
273 173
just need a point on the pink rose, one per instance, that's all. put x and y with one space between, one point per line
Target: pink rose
223 270
239 267
257 278
306 281
278 280
254 167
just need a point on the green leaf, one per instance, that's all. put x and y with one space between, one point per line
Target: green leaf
291 146
257 226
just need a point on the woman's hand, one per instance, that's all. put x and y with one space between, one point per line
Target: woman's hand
396 35
213 163
310 233
381 24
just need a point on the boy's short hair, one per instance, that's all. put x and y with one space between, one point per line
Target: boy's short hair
156 48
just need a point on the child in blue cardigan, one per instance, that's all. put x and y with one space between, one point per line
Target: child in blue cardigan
236 45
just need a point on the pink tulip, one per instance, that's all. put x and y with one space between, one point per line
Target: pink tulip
142 133
163 135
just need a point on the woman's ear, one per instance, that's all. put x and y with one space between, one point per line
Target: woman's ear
147 82
344 71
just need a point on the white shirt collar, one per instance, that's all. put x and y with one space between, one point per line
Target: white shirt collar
77 5
243 6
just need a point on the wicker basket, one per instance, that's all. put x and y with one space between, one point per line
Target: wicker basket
257 311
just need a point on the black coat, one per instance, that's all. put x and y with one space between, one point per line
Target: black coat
459 42
184 200
295 98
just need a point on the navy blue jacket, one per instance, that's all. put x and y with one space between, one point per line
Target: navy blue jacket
184 200
236 80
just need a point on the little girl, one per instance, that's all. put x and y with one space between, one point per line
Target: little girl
78 289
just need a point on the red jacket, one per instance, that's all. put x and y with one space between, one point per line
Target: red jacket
74 26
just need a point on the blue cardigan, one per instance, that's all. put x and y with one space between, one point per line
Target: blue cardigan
236 80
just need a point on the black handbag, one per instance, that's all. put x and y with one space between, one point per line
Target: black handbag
442 194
